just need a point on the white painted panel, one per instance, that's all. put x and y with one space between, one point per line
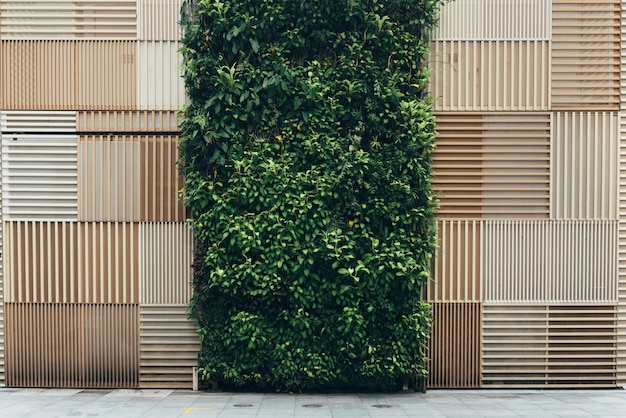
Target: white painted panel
550 261
28 121
494 20
39 177
158 20
160 84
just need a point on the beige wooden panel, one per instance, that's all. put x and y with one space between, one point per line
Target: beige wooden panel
584 165
140 183
37 74
106 75
494 166
46 19
160 83
165 253
72 346
169 347
457 271
127 121
548 346
550 261
454 346
621 314
158 20
490 75
494 20
585 54
69 262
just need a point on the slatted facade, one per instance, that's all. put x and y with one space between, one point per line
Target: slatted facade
530 167
95 281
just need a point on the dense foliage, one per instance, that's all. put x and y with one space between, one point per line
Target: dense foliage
306 149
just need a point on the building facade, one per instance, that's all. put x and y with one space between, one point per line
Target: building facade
530 286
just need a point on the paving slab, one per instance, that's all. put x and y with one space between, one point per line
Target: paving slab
131 403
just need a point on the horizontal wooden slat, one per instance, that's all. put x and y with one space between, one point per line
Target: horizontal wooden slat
546 352
492 165
169 347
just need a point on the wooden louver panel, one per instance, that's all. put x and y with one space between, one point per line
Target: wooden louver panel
454 346
37 19
169 347
165 254
72 346
550 261
585 54
68 75
548 346
161 85
39 173
69 262
127 121
457 272
129 178
494 20
490 75
492 165
584 165
158 20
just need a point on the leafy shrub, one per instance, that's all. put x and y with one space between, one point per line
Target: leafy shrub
307 149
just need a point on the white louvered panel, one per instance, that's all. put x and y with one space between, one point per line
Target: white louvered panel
494 20
548 346
550 261
490 75
169 347
165 253
39 177
53 19
160 85
37 121
621 312
157 20
457 272
584 165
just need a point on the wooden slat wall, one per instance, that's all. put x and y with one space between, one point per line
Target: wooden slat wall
37 75
550 261
454 347
457 271
495 20
69 75
492 165
166 257
548 346
37 19
69 262
127 121
161 85
621 315
143 183
72 345
38 121
169 347
584 166
585 54
490 75
39 173
158 20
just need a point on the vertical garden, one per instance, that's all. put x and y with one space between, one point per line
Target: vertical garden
306 149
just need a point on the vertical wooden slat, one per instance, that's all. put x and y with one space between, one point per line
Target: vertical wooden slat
160 85
158 20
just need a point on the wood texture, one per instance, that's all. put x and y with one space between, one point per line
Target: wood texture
72 345
158 20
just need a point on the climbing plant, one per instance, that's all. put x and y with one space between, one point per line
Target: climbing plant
306 148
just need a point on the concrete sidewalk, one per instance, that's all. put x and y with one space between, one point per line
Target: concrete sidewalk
48 403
